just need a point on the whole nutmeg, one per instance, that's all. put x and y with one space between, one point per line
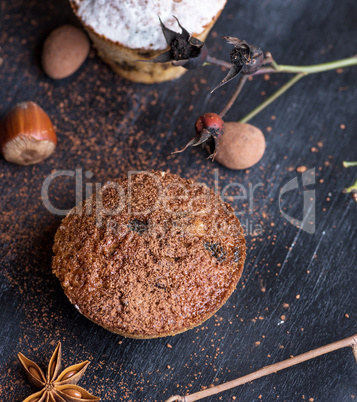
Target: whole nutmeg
27 135
64 51
241 146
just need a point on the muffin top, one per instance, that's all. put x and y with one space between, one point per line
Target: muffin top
135 23
149 255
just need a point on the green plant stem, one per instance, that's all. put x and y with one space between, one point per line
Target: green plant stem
272 98
284 68
317 68
352 189
347 164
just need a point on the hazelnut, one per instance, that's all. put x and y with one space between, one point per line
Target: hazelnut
241 146
27 135
64 51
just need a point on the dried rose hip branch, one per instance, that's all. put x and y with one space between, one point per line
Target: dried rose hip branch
235 145
228 156
273 368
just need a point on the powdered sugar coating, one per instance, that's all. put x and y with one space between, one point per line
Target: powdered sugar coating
135 23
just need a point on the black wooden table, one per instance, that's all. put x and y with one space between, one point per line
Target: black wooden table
298 291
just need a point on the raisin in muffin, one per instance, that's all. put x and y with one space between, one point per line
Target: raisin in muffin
150 255
125 31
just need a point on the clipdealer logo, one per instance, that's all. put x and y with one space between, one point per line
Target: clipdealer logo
308 222
85 189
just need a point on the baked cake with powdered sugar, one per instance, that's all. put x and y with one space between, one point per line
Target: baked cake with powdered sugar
124 31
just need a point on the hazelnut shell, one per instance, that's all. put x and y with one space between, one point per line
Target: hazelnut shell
64 51
241 146
27 135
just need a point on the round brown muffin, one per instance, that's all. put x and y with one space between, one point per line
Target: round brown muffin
150 255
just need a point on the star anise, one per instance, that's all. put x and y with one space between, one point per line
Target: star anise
56 386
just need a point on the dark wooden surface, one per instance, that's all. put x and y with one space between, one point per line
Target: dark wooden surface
108 126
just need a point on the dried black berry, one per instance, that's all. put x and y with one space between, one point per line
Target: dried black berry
216 250
185 50
246 59
138 226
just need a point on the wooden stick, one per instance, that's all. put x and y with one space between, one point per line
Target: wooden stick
273 368
354 349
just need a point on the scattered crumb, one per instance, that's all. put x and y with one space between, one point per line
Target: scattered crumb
286 305
169 346
342 126
283 317
262 287
273 117
297 296
347 315
320 144
257 343
339 71
269 129
313 149
301 169
266 77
